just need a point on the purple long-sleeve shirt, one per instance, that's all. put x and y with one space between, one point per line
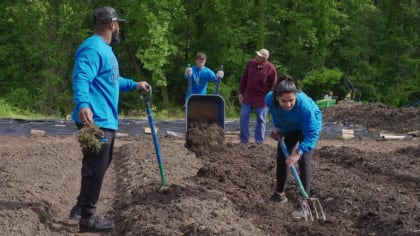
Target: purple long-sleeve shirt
256 82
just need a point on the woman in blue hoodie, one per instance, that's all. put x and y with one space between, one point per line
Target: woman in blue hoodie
297 119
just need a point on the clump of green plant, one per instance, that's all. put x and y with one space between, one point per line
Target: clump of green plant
89 136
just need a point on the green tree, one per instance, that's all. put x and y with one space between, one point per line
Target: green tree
38 42
373 44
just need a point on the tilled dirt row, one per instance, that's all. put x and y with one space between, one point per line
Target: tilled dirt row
37 179
366 187
374 192
226 192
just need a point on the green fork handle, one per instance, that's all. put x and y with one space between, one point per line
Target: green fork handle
293 168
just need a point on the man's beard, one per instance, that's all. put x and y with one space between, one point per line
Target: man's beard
115 39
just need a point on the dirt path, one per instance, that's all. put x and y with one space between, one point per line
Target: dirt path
367 187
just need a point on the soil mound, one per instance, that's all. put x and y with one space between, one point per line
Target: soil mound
204 138
375 116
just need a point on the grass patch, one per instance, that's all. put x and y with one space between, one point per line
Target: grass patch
172 113
7 111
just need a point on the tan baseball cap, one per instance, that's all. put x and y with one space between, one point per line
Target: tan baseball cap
263 53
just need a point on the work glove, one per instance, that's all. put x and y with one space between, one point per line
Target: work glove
188 72
220 74
276 135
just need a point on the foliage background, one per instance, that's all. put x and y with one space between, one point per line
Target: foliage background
323 44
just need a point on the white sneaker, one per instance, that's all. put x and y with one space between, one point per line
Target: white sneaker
299 214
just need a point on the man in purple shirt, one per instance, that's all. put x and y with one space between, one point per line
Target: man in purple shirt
258 79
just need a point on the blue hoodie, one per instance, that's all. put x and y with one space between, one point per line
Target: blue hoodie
305 116
97 82
199 80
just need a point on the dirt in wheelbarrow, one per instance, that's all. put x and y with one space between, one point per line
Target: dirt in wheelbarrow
217 186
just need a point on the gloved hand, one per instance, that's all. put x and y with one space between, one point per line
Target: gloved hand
276 134
188 72
220 74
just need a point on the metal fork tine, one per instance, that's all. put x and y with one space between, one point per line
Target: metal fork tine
320 209
317 207
304 205
312 209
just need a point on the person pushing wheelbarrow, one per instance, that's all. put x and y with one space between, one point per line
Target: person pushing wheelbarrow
297 121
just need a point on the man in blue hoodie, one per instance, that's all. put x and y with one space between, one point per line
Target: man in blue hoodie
199 75
297 119
96 86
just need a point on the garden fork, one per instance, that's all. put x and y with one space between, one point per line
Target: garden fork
309 205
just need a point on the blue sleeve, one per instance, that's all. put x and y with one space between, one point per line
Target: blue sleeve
127 84
311 119
270 105
85 70
211 76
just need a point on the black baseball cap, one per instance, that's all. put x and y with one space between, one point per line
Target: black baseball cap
105 15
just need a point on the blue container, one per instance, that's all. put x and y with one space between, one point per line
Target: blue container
205 108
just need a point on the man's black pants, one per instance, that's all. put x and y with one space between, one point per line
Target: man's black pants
94 167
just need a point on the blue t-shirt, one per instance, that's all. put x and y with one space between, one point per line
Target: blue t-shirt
305 116
97 82
199 80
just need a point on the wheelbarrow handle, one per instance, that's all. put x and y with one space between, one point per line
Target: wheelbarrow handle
218 81
189 77
145 95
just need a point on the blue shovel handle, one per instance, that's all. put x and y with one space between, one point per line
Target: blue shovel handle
293 168
145 97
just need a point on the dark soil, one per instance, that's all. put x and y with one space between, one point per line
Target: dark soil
375 116
217 186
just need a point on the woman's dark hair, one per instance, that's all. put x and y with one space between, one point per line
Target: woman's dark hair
285 84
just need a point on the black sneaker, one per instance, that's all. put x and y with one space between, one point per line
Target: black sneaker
75 213
279 198
95 224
